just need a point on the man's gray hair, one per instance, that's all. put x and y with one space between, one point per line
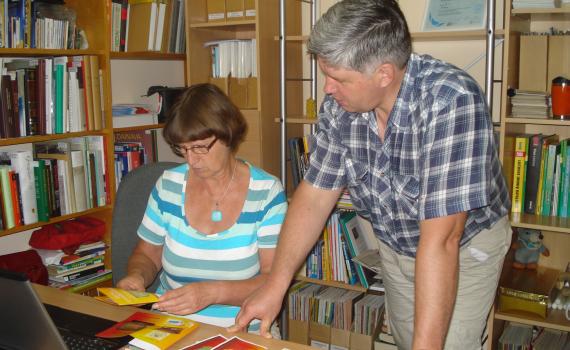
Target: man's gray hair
361 34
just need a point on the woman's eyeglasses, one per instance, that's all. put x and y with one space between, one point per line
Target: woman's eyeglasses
196 149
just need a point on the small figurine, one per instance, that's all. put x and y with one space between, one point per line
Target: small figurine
528 248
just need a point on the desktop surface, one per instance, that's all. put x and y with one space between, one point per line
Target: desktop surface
96 308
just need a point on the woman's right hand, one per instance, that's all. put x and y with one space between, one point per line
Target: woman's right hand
132 282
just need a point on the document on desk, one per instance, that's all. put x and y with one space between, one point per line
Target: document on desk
236 343
118 296
151 331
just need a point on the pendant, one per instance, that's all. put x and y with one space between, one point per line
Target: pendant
216 215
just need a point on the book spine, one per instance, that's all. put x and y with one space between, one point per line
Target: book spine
7 197
79 274
41 190
533 173
519 170
16 198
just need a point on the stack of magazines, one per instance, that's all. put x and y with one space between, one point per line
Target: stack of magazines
82 269
530 104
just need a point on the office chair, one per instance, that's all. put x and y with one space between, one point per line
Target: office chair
130 205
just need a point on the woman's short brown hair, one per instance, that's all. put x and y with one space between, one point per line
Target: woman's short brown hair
202 111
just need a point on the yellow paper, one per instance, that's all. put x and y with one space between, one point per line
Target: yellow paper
128 297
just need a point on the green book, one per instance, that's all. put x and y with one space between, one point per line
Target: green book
59 70
41 190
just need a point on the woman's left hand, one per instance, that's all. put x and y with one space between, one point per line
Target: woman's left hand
186 300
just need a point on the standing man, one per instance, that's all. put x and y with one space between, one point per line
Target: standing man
412 139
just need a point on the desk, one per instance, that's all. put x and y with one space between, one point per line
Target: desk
97 308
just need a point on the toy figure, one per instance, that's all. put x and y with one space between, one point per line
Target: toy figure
528 248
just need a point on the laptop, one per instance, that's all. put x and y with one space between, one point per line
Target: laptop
27 324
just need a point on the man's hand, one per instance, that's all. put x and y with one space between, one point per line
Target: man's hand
264 304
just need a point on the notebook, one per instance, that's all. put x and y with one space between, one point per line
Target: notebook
26 323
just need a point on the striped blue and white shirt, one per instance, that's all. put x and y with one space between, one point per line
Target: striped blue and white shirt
190 256
438 156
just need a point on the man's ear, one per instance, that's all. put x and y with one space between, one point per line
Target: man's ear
385 74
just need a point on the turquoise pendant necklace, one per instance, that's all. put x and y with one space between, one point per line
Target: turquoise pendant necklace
216 215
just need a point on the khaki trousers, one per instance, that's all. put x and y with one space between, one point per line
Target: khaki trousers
480 264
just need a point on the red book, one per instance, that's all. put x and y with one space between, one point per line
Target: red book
16 200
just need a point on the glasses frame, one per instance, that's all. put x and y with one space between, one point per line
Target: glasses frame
196 149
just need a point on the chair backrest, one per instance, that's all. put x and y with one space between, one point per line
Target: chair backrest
130 204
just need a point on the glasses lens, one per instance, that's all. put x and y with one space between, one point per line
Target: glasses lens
199 149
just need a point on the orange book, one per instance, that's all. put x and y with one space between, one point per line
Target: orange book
16 199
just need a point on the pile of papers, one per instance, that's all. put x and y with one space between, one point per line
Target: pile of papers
530 104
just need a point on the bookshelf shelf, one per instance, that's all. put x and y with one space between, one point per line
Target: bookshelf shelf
331 283
50 137
147 55
539 222
555 319
511 120
47 52
22 228
298 120
530 11
140 127
229 25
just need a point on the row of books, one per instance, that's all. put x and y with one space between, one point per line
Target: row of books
148 25
133 149
518 336
337 255
320 315
541 175
235 58
51 95
51 179
75 271
38 24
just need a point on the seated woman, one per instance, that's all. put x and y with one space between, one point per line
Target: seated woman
212 223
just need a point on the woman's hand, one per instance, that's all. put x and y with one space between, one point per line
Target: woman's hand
132 282
186 300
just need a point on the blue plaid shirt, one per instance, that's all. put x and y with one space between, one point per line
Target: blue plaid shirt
438 156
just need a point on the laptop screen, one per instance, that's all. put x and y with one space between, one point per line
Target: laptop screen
26 324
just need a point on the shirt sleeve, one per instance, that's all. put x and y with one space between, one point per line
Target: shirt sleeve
273 216
326 162
457 158
152 226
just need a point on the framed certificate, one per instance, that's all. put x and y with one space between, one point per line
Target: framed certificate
454 15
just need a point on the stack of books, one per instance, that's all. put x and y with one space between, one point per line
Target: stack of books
516 336
530 104
83 268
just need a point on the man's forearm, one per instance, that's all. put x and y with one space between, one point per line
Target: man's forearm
436 279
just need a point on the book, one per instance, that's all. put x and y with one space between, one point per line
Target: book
128 297
236 343
142 25
21 162
8 212
151 331
533 170
208 343
355 241
88 271
519 173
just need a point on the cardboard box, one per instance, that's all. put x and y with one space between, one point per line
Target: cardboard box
222 83
558 58
251 93
249 9
216 10
238 92
319 332
299 331
533 62
527 291
234 10
360 341
340 339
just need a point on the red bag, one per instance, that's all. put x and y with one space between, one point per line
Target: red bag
28 262
68 235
